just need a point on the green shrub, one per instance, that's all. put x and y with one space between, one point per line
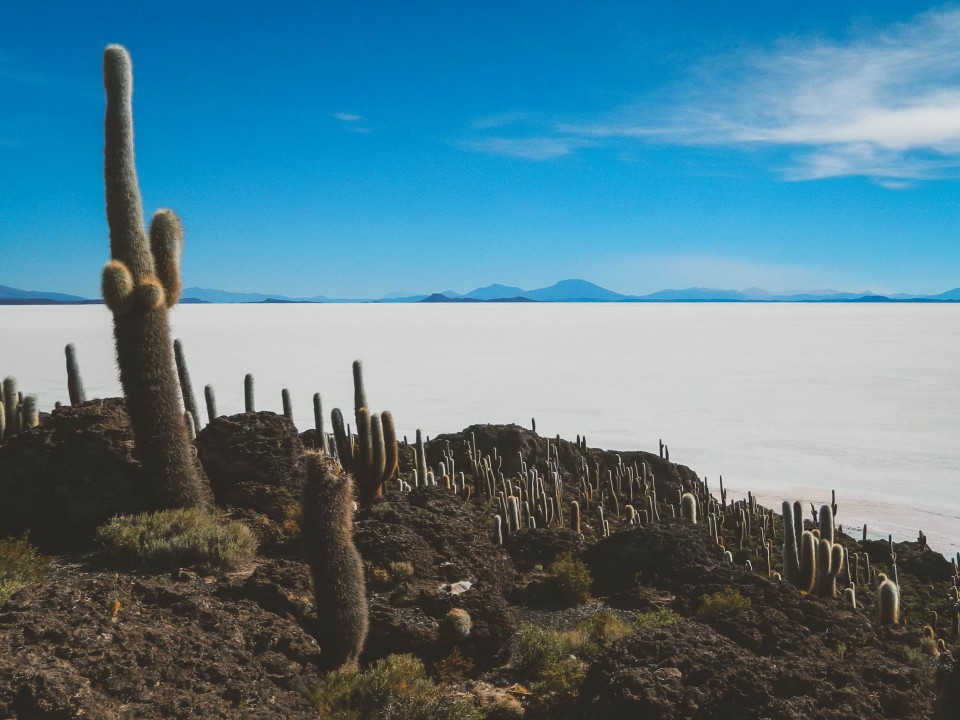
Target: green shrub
651 620
169 539
569 580
603 629
720 602
395 688
20 565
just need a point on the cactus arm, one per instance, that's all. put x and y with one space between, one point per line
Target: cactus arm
166 241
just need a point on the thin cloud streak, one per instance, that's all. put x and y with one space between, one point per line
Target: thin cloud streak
533 148
884 106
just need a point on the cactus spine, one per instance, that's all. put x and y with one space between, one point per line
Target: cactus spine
336 566
74 381
140 283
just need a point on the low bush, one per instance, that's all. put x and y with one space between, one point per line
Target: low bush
661 618
395 688
169 539
720 602
569 580
20 565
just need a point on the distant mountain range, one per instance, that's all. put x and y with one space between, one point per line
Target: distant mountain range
563 291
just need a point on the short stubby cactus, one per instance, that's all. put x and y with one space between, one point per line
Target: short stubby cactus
140 283
337 568
888 600
688 507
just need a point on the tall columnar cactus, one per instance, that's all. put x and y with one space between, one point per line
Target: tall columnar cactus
808 561
211 399
186 387
323 442
287 404
791 556
11 406
688 508
140 283
888 599
359 394
248 400
825 520
74 381
337 568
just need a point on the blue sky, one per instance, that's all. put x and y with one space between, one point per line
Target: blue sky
357 149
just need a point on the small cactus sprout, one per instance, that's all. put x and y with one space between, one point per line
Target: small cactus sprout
74 381
30 414
888 597
850 596
456 624
728 556
688 508
191 425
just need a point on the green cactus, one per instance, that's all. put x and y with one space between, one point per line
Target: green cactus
11 406
30 414
140 283
791 557
74 381
323 442
336 566
287 404
825 519
808 561
248 399
211 402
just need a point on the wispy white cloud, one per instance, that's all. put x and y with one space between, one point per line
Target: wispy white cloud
883 104
529 148
501 120
351 122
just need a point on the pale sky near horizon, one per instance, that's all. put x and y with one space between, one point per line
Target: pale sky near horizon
359 149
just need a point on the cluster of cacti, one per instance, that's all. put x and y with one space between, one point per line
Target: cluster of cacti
140 284
372 454
18 412
326 527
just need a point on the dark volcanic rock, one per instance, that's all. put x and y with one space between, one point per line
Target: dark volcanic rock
63 479
254 461
438 534
172 649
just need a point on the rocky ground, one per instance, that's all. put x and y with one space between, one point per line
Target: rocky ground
185 644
